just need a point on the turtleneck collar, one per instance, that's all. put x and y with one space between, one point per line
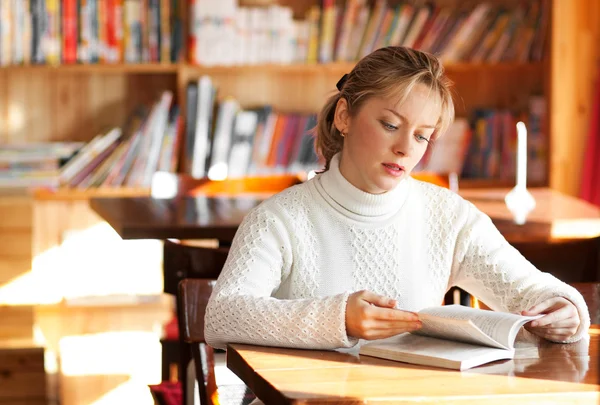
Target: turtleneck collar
353 202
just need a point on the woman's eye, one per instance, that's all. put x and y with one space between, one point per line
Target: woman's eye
421 138
389 127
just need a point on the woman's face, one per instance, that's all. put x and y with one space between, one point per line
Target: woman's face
385 140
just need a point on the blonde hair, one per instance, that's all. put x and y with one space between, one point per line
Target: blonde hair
386 72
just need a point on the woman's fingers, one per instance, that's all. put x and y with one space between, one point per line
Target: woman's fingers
560 314
564 323
377 299
556 334
372 316
539 308
392 315
560 321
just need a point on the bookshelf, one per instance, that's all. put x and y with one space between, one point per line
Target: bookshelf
74 102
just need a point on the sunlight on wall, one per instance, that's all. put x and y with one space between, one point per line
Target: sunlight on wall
50 356
41 287
91 262
575 228
16 117
130 392
96 261
127 353
104 358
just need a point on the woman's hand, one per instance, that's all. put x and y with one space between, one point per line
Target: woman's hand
560 321
371 316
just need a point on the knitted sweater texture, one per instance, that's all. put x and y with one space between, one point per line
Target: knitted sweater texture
297 257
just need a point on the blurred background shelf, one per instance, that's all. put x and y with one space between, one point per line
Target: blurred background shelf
169 68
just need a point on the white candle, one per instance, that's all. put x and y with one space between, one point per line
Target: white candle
519 201
521 155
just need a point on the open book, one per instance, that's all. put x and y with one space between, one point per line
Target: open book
453 336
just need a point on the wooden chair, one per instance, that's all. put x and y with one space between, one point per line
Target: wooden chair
192 299
181 261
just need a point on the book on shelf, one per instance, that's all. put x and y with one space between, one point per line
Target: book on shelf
491 151
223 33
447 153
454 337
224 140
90 31
121 156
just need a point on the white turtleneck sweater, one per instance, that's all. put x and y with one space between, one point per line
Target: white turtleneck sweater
297 257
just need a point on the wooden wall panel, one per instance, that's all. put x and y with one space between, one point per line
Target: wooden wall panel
16 322
15 238
38 122
13 267
286 89
52 105
15 212
575 56
3 109
15 243
496 87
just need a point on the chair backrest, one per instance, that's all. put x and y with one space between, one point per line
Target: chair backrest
190 273
192 300
193 297
181 260
591 295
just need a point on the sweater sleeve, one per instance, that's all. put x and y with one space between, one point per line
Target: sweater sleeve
488 267
241 308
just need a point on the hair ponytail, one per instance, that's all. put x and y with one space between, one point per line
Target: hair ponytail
328 140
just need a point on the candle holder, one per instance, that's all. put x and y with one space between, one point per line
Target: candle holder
519 201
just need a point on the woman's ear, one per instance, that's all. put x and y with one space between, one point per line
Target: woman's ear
341 116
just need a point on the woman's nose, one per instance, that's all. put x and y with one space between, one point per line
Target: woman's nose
403 145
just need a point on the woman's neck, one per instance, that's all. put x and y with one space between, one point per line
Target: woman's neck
351 201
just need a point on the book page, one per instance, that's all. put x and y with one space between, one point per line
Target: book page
502 327
462 330
431 351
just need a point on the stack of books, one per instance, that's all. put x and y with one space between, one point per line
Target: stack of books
34 164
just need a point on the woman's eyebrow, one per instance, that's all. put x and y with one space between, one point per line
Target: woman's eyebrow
403 118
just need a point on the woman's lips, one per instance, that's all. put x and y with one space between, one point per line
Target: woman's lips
393 169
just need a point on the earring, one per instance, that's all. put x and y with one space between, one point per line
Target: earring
342 134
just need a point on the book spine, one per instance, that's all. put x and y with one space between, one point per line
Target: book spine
69 27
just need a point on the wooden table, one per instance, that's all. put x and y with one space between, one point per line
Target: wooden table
541 373
177 218
557 217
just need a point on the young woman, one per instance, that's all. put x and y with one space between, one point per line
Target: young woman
357 250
